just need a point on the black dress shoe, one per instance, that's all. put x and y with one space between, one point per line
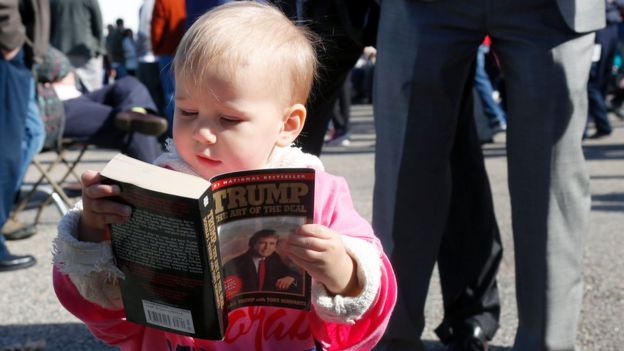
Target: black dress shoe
141 122
468 340
10 262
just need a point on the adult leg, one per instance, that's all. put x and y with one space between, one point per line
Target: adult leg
341 115
34 137
341 120
34 133
599 78
546 68
124 94
336 61
93 121
15 84
597 110
148 74
471 249
424 59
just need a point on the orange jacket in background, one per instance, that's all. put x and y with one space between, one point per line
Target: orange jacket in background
167 26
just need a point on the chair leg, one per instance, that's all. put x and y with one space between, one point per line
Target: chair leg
53 188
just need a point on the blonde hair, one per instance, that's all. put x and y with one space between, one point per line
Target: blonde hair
244 34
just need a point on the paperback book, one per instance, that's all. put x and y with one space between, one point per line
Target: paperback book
195 249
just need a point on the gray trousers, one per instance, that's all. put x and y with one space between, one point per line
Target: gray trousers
425 51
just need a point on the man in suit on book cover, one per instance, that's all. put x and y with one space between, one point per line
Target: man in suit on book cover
261 268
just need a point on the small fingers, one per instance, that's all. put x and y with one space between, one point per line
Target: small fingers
89 178
307 242
315 230
98 191
306 257
100 213
104 207
112 219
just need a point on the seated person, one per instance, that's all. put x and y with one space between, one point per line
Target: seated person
117 116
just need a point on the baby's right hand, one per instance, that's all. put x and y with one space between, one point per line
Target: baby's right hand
98 210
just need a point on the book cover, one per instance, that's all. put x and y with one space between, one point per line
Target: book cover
255 211
195 249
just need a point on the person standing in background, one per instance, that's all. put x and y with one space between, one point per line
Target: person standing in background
339 134
601 73
426 51
114 49
147 71
496 117
166 32
130 53
76 30
24 36
343 29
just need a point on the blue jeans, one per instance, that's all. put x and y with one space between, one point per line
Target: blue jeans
15 92
491 109
34 134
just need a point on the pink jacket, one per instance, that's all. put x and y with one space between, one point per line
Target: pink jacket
334 323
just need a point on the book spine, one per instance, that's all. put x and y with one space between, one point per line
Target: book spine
213 257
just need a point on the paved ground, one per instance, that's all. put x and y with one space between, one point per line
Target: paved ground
30 313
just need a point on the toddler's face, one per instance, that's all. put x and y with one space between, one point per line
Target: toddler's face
232 127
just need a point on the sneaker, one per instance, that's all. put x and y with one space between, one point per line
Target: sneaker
140 122
339 140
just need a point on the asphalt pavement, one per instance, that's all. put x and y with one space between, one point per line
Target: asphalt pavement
31 317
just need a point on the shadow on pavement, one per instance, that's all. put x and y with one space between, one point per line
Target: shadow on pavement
613 202
431 345
592 151
75 336
49 337
604 151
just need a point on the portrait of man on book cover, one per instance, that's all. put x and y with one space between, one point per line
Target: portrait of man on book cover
260 268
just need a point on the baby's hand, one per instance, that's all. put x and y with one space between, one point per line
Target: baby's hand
98 210
320 251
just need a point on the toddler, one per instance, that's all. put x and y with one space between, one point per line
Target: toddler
243 73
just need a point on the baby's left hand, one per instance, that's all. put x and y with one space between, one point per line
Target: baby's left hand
320 251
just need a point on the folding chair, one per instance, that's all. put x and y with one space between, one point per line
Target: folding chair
52 179
50 182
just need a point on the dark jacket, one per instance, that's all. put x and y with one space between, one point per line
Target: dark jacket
355 19
243 267
25 21
69 15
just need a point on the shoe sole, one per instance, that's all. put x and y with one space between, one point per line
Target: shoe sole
147 127
20 234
